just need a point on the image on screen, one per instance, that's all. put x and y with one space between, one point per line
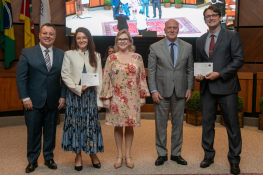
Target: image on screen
141 15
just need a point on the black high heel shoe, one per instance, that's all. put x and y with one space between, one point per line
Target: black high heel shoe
78 168
98 165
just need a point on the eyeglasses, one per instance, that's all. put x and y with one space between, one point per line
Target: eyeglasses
214 15
123 39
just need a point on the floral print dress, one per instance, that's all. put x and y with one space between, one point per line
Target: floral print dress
124 84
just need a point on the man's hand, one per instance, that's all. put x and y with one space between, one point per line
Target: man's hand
106 103
188 94
62 102
199 77
143 100
212 76
99 108
156 96
84 87
28 104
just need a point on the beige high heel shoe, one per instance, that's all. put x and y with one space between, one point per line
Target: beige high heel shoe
129 165
118 165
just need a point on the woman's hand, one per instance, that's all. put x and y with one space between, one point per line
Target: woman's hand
143 100
106 103
84 87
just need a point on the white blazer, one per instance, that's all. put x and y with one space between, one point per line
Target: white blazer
72 68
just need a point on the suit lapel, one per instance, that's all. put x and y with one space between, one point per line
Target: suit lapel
180 52
55 61
166 51
219 39
202 43
41 57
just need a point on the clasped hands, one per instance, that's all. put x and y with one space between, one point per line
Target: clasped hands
209 76
29 105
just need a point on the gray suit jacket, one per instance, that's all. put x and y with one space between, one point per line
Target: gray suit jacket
227 58
34 81
163 77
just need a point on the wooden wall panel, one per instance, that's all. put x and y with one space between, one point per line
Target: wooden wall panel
251 68
252 43
9 95
251 13
259 90
246 93
94 3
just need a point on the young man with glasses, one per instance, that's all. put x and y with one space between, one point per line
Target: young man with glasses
224 49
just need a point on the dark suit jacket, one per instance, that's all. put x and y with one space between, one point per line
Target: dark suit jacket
227 58
122 21
34 81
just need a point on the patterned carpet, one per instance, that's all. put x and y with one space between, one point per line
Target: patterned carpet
186 27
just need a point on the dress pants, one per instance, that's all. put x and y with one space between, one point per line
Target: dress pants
158 4
115 11
161 118
37 119
145 5
228 105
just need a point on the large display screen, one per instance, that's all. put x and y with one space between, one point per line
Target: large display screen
92 15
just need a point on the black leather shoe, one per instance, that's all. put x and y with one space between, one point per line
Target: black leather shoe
160 160
234 168
51 164
78 168
31 167
154 16
206 163
179 160
98 165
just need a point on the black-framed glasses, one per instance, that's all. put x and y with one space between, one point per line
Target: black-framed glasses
123 39
209 16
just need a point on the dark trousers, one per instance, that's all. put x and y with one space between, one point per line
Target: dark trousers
36 120
158 4
115 11
228 105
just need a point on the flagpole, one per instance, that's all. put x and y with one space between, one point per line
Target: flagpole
25 9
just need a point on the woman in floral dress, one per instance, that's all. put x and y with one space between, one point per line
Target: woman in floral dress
124 90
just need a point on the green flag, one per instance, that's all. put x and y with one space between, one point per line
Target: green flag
7 32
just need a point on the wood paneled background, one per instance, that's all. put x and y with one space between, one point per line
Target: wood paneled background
250 28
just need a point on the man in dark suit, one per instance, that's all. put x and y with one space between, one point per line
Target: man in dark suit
224 49
171 81
39 85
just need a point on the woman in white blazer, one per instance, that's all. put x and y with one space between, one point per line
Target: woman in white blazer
82 130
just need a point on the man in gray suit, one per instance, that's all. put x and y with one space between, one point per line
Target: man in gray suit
38 80
171 80
224 49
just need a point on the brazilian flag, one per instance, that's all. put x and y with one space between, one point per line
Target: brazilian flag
7 32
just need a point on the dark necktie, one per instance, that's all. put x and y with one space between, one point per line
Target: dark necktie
172 52
212 44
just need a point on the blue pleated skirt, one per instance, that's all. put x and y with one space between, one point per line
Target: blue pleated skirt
82 130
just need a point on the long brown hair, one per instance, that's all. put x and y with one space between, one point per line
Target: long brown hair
91 46
106 53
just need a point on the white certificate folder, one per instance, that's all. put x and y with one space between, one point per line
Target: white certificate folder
90 79
203 68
